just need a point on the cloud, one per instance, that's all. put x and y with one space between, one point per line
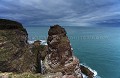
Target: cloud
64 12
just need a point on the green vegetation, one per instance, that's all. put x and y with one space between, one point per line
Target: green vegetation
22 75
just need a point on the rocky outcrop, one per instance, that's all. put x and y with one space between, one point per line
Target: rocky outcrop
15 55
86 71
60 56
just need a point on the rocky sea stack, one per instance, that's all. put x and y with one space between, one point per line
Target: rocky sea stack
60 57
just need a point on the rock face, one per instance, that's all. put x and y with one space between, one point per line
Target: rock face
58 45
60 57
15 55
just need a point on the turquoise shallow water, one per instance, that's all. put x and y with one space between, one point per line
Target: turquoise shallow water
97 47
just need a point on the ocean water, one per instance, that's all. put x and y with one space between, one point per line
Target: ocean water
96 47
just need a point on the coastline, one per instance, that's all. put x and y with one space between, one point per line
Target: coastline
44 42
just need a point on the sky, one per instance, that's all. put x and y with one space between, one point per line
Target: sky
63 12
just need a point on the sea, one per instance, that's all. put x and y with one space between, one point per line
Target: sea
96 47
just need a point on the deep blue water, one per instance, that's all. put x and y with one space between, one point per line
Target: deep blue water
97 47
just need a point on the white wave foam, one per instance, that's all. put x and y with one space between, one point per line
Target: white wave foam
97 77
84 76
30 42
71 48
43 42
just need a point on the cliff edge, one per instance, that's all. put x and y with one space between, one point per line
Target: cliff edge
15 55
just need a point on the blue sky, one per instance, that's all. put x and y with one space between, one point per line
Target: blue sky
63 12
